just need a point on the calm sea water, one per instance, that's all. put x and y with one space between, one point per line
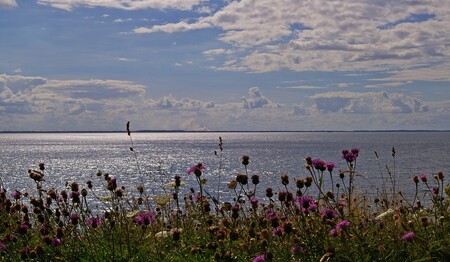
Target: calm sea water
160 156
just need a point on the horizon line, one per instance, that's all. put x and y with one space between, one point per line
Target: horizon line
227 131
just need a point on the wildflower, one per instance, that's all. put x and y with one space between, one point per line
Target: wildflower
74 186
342 225
74 218
196 169
146 218
254 202
408 236
17 195
241 178
306 203
350 156
94 222
308 161
269 192
423 177
245 159
112 183
319 164
23 229
328 213
255 179
435 190
296 249
2 246
260 258
330 166
333 232
284 180
232 184
56 242
277 232
300 183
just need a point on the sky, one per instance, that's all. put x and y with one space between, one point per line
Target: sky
294 65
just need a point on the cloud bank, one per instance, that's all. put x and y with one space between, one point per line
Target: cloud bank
37 103
327 35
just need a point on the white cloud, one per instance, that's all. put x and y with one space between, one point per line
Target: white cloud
368 103
120 4
37 103
8 3
124 59
329 35
256 100
389 84
170 28
121 20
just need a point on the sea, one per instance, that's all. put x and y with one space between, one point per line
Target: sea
156 157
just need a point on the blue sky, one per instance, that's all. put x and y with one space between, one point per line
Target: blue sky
224 65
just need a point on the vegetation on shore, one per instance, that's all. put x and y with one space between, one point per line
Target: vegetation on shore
317 217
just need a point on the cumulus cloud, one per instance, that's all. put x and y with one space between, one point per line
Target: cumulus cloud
256 100
368 103
120 4
8 3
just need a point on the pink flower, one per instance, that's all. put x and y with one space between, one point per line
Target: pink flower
423 177
146 218
56 242
260 258
408 236
342 225
196 169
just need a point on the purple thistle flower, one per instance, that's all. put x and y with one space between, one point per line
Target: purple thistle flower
296 249
260 258
342 225
146 218
306 203
350 157
23 229
56 242
199 167
2 246
408 236
435 190
423 177
330 166
16 195
94 222
355 151
333 232
254 202
74 218
328 213
277 232
319 164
